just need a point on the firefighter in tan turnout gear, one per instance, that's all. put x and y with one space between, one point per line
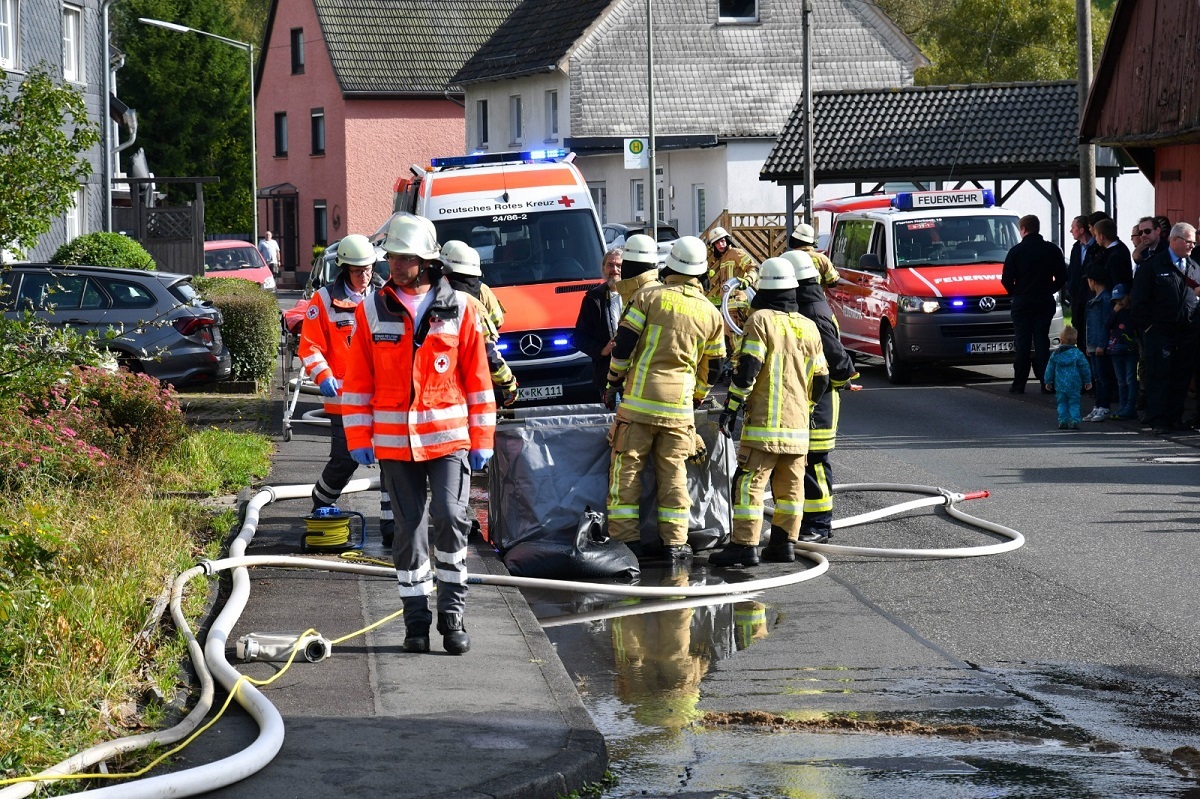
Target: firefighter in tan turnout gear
804 239
780 373
668 352
639 262
730 261
465 275
324 342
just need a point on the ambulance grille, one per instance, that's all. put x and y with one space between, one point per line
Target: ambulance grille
978 331
575 288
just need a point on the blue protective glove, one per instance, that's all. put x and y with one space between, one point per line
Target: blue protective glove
364 456
478 458
329 387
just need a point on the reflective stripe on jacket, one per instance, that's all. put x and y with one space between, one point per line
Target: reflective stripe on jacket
501 375
736 262
495 310
325 337
678 334
778 400
418 391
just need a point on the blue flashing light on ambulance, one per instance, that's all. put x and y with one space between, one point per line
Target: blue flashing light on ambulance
531 218
920 278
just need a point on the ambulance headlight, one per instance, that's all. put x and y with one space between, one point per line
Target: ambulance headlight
919 305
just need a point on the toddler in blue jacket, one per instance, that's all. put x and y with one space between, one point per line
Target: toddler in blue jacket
1069 375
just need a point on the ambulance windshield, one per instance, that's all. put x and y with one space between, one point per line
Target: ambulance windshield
523 248
950 240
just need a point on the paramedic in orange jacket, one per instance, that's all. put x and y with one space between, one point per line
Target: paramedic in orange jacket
418 396
324 342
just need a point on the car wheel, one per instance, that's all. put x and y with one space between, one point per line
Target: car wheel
128 363
898 373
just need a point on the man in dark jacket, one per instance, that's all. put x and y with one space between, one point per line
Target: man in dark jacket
1164 309
1078 292
1114 263
599 315
1033 272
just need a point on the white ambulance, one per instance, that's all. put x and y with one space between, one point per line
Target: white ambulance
920 278
530 216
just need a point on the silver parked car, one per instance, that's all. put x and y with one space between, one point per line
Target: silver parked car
162 326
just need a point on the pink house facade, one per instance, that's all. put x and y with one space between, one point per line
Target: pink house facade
349 94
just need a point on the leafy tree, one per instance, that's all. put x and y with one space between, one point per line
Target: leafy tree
45 134
996 41
192 96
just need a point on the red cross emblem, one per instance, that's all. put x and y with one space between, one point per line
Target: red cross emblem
567 201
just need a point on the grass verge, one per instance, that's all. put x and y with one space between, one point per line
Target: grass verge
81 569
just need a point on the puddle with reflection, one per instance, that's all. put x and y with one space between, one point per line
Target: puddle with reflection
639 666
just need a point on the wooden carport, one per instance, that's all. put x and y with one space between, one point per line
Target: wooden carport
998 136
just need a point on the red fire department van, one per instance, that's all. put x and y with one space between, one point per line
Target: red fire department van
920 278
530 216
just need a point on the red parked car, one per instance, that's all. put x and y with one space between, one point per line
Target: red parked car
233 258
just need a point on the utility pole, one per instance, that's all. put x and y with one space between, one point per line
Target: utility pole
652 184
806 35
1087 152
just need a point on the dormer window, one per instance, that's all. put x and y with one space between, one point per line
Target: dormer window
737 10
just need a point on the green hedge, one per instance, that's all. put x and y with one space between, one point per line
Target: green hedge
104 249
251 326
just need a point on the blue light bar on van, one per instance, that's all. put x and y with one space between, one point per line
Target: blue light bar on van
475 159
933 200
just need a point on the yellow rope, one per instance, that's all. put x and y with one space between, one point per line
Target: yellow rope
327 532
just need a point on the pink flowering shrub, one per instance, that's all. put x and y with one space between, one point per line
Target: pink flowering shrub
88 426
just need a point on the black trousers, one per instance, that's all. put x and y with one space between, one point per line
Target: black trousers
1031 318
1170 362
338 471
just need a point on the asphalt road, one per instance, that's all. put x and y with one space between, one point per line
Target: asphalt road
1064 668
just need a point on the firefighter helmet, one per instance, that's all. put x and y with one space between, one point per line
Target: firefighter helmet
802 263
803 235
641 249
777 273
355 250
461 259
716 234
688 256
407 235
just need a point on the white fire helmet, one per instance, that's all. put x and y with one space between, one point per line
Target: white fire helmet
688 256
777 273
802 263
461 259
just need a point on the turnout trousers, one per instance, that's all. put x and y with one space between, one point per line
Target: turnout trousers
632 443
445 483
818 495
338 471
755 469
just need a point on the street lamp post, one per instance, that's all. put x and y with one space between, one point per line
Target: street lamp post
171 26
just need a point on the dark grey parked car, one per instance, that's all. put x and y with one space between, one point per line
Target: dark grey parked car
164 328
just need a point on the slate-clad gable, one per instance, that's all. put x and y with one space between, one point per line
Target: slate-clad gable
406 46
970 129
731 80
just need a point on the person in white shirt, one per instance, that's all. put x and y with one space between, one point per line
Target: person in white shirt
270 251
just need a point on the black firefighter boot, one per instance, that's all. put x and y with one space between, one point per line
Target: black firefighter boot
454 635
779 549
416 638
734 555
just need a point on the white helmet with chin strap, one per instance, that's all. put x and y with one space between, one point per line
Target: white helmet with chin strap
355 250
409 235
640 248
460 258
688 256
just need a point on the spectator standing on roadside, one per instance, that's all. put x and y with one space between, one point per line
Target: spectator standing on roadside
1077 290
1033 272
1113 264
1067 373
1123 354
1164 308
1151 239
1103 377
599 315
418 396
270 252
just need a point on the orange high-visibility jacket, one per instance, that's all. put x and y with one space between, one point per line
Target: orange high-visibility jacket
418 392
325 337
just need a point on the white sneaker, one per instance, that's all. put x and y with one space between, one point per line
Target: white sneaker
1102 414
1091 417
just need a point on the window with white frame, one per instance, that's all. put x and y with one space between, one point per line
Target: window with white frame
481 123
74 217
514 119
8 33
552 115
637 199
737 10
320 222
318 131
72 44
